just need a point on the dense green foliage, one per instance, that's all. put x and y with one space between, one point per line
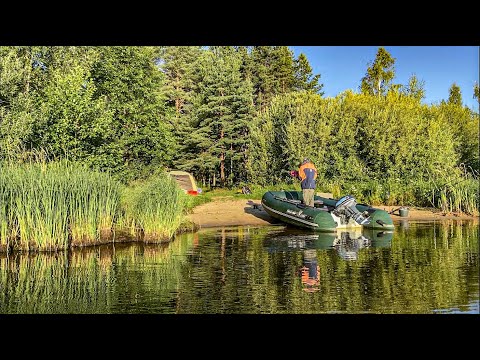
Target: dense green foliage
394 146
235 115
100 105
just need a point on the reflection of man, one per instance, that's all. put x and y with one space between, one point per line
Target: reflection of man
310 271
195 240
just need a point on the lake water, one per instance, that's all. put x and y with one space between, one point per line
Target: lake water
423 267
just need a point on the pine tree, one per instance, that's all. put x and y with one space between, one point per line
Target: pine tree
178 65
283 70
263 79
379 75
304 78
245 61
223 111
455 95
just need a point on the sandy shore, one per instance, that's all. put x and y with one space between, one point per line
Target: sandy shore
231 212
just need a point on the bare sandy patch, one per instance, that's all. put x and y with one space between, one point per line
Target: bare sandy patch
230 212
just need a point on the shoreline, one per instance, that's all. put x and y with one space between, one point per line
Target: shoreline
243 212
239 212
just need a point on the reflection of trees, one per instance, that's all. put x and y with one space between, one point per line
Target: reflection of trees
423 268
106 279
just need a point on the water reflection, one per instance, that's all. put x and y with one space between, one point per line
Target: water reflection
346 243
310 272
426 268
404 224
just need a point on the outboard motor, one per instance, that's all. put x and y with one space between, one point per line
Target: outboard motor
346 207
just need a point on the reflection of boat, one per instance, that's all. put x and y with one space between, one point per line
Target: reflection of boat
326 215
379 238
346 243
299 240
349 243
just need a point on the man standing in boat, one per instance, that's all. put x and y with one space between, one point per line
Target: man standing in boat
307 174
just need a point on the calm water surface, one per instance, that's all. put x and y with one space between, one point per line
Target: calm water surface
427 267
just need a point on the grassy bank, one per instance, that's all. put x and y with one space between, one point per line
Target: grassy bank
153 209
52 206
456 195
49 206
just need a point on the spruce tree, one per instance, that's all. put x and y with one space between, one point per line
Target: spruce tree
304 78
455 95
379 75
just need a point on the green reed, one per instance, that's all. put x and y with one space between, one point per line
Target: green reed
5 211
48 206
462 197
95 201
156 207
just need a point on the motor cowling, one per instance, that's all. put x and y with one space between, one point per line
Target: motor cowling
346 206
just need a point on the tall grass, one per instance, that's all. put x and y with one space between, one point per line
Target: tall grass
155 208
7 229
49 206
95 198
45 205
462 197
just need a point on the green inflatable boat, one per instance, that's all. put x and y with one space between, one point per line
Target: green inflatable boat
327 214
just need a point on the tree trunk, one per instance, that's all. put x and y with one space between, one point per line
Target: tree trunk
231 164
28 66
222 161
222 155
177 100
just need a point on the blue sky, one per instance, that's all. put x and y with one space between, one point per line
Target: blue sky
342 67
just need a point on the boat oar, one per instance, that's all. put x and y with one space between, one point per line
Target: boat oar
391 212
